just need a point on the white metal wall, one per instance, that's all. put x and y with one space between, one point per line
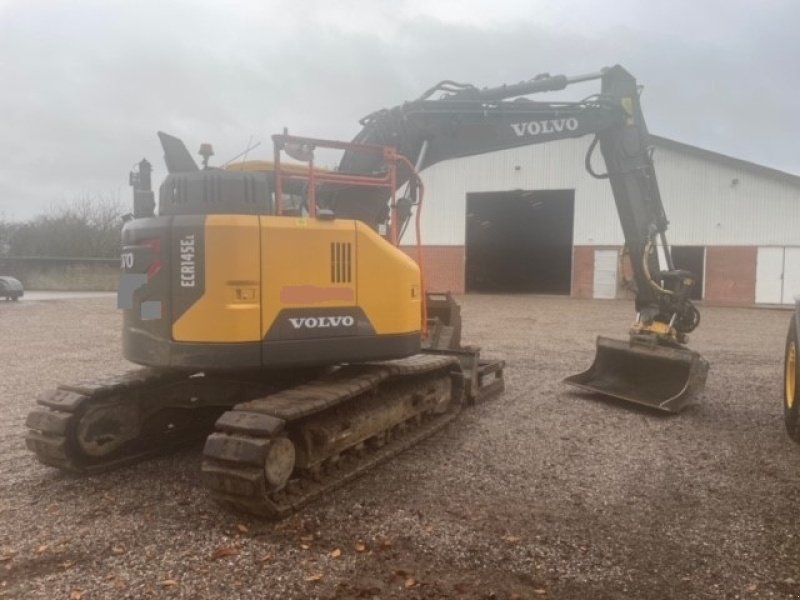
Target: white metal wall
708 203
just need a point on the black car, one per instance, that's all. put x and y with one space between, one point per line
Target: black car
10 288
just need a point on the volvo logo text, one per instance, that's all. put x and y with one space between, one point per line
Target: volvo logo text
548 126
321 322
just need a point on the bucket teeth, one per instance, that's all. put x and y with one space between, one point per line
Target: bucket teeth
660 377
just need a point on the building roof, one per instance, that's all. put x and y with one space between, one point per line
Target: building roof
735 163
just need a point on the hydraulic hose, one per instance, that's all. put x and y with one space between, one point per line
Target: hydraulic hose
647 248
588 160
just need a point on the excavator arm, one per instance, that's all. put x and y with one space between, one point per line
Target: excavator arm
454 120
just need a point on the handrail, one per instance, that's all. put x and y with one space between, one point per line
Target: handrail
302 148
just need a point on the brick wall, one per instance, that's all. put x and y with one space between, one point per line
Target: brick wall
582 271
730 272
731 275
444 267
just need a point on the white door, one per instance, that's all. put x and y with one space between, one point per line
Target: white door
769 276
605 273
791 274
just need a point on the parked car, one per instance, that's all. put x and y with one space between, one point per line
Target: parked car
10 288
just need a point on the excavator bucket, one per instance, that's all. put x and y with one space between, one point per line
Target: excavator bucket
658 377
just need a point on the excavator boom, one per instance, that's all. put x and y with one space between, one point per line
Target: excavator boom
653 367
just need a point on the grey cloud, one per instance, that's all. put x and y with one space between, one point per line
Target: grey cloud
87 84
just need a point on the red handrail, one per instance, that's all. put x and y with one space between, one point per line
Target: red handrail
315 177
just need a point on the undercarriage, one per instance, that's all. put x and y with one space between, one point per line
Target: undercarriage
281 439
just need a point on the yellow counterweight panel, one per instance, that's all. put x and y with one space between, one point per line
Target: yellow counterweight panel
228 311
306 263
390 289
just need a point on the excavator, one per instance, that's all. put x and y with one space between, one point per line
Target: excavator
791 375
275 314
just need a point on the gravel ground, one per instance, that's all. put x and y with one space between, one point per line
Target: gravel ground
539 493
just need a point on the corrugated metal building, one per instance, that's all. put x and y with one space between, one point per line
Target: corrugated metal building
531 219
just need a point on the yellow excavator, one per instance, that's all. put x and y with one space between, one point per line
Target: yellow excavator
274 312
791 374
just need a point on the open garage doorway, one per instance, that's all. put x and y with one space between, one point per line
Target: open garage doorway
691 258
520 241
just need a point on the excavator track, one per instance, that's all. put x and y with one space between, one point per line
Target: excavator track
100 425
268 457
282 440
53 426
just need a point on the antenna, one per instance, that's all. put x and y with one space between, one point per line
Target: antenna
250 146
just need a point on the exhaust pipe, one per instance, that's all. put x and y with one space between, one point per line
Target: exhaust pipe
659 377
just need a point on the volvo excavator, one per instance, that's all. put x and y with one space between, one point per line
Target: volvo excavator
273 311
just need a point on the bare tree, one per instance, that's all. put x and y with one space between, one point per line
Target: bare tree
7 229
88 226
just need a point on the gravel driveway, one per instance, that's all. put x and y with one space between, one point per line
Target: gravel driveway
539 493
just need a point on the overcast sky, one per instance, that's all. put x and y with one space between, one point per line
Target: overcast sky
85 84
